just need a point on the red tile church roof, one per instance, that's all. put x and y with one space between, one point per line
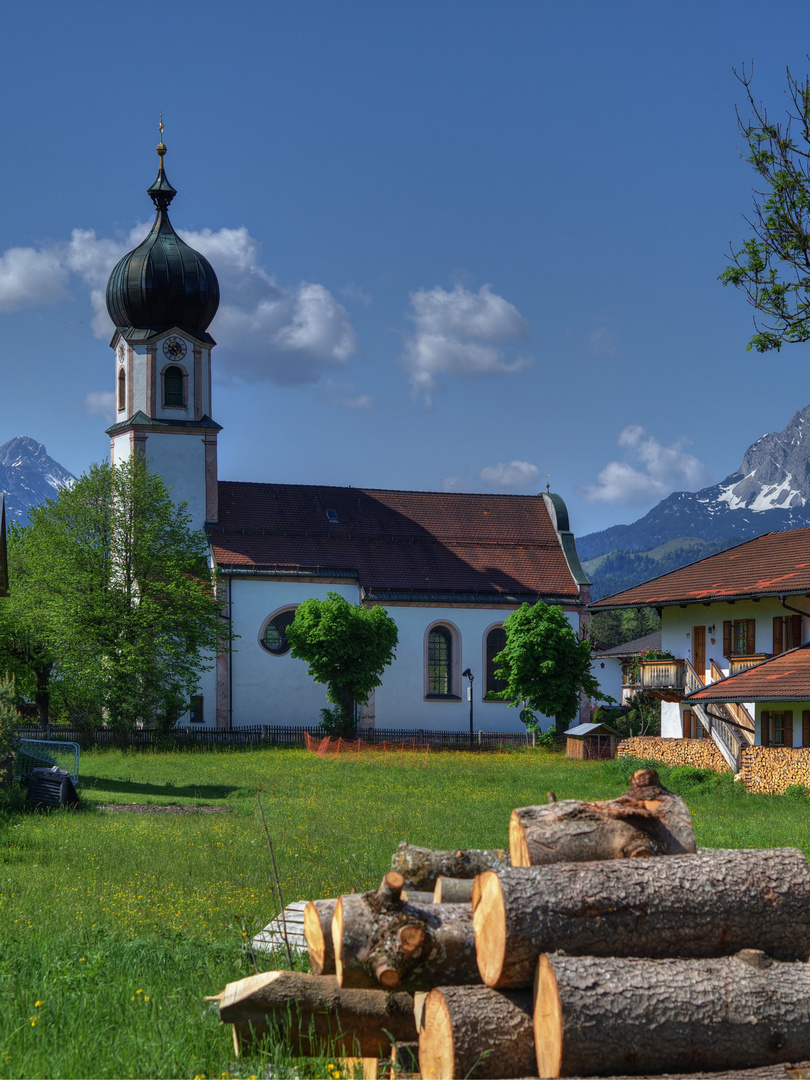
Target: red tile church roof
395 541
769 565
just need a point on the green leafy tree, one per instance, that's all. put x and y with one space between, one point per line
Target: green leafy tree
347 648
546 666
123 595
772 268
9 717
25 649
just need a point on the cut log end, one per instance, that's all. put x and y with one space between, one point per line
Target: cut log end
320 957
337 939
518 848
391 887
548 1027
489 924
437 1053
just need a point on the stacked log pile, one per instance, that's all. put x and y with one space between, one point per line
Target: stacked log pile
583 952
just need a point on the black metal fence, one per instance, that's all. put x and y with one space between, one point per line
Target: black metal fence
274 735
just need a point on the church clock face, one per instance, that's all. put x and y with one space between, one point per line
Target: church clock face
174 348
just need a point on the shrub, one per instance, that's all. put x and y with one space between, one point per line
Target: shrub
797 791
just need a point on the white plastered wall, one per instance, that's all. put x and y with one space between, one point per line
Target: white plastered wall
796 707
180 459
676 637
268 689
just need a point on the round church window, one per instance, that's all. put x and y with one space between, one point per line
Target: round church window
274 638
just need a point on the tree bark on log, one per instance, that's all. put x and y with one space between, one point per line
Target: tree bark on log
417 896
315 1015
644 1017
476 1032
318 935
646 820
453 890
709 904
379 940
422 866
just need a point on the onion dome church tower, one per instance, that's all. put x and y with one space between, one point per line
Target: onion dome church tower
162 298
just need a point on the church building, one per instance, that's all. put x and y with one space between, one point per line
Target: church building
449 568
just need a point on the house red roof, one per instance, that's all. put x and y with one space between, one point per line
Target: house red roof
770 565
784 678
396 541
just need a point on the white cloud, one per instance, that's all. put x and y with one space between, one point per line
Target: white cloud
100 402
510 474
286 335
268 332
343 394
29 277
453 483
460 333
354 292
648 472
602 342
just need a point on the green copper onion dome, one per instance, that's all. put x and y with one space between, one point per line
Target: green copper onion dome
163 283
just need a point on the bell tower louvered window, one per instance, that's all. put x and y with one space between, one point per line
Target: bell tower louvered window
122 390
173 387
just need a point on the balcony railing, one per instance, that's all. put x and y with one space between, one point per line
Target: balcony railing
662 674
736 664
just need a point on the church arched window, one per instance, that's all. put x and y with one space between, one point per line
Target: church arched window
442 662
496 640
122 390
274 632
173 386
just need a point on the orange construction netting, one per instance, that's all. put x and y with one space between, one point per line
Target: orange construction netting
331 747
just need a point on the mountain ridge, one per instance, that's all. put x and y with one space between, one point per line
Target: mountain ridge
769 492
28 476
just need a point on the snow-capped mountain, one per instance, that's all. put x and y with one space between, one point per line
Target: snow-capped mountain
770 491
28 476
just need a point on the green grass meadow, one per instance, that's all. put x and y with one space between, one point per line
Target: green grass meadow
114 926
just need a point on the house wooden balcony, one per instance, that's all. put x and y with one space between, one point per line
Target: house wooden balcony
664 678
736 664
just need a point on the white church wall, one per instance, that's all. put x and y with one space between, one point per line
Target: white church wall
270 689
180 459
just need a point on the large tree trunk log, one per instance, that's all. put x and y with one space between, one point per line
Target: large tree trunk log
646 820
315 1015
421 866
599 1016
318 934
472 1031
380 940
709 904
450 890
417 896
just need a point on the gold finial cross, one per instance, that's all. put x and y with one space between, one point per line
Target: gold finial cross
161 149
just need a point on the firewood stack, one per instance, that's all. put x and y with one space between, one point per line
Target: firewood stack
580 953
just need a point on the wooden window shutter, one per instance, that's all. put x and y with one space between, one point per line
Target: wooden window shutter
796 631
727 646
687 723
777 634
764 728
806 727
751 643
789 727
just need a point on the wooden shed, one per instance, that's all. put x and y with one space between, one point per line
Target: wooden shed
588 742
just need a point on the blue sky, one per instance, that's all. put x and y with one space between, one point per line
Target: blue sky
460 244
